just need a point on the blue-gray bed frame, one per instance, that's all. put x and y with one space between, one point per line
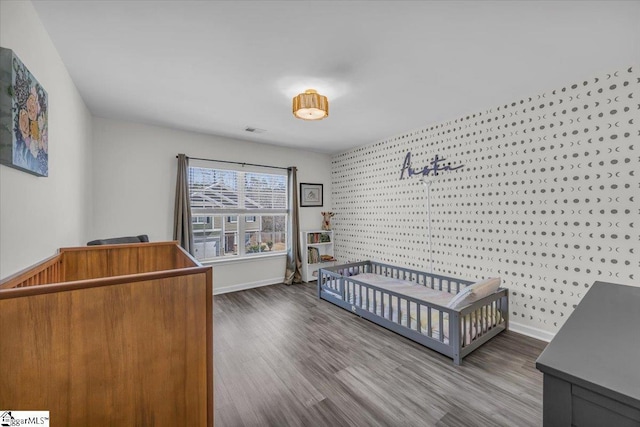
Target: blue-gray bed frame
339 285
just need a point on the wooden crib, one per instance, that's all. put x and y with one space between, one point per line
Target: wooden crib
110 335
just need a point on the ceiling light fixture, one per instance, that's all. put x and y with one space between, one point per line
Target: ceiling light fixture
310 105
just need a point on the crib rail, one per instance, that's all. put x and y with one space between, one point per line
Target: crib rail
90 262
48 271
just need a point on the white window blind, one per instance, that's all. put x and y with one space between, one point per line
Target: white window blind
229 191
237 213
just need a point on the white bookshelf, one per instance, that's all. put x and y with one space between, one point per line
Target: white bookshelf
314 244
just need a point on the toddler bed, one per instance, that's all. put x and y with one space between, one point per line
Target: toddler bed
448 315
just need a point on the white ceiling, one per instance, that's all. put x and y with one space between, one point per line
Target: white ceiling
386 66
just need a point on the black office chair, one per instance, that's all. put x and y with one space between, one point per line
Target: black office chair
119 240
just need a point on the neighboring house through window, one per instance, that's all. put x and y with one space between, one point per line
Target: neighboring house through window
237 213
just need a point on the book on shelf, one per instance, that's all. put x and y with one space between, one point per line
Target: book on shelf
318 238
313 255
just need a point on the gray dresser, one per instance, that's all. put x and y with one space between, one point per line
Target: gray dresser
592 366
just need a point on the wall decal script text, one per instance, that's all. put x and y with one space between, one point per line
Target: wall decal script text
436 165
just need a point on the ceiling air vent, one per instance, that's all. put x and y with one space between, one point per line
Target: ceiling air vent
254 130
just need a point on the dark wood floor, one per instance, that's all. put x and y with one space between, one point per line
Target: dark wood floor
285 358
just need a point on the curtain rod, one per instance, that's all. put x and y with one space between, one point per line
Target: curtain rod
236 163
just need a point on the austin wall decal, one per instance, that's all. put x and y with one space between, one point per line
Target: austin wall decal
437 164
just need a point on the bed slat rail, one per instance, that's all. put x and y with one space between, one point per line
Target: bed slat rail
485 315
397 308
434 281
455 333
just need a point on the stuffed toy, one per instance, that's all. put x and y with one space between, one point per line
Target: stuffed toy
326 220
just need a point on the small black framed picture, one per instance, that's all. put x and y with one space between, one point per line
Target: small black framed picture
310 195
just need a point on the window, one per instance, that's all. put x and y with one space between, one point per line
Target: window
237 213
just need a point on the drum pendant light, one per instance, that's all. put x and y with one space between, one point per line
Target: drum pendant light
310 105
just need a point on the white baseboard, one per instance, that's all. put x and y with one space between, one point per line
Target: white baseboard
531 331
243 286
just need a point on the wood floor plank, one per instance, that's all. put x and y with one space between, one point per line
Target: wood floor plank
227 415
461 416
302 389
285 358
326 413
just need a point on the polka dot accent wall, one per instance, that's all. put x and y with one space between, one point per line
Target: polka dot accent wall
547 199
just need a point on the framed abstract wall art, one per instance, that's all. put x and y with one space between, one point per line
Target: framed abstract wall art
310 195
24 108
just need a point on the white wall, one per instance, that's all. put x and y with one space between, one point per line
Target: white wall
134 186
547 198
38 215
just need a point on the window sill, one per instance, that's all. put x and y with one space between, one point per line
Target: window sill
237 260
